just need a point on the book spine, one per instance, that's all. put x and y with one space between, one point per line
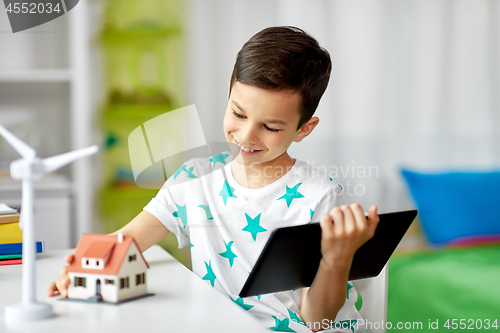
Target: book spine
10 233
11 262
17 248
11 256
9 218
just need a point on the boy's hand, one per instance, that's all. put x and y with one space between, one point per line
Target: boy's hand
343 231
60 287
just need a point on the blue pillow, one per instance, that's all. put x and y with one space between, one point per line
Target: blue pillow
456 204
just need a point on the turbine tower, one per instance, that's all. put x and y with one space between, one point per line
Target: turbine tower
30 168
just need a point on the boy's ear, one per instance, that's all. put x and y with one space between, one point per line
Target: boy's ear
306 129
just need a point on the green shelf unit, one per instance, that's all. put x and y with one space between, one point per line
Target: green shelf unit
142 50
139 31
144 69
117 122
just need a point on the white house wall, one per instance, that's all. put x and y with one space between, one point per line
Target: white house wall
131 269
108 291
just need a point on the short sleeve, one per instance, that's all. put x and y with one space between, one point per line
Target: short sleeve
169 205
158 206
333 198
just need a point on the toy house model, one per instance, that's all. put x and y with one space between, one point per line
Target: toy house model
107 268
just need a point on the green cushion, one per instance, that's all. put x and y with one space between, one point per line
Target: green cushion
460 283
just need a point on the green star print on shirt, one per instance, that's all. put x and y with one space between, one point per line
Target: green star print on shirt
253 226
291 193
190 173
348 287
210 276
221 158
281 325
295 318
207 210
240 302
181 213
227 192
229 254
182 168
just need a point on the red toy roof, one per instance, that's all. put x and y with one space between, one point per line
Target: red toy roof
97 246
98 249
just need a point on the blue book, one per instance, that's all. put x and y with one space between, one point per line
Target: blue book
17 248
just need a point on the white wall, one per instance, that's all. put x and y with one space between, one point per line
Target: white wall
414 83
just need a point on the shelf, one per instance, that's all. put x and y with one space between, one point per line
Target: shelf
53 182
140 31
35 75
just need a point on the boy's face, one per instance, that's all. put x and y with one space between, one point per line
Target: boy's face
264 121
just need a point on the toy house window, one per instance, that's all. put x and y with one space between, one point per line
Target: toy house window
132 257
108 281
80 282
87 262
140 279
124 282
97 262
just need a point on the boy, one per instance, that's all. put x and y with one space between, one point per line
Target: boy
227 216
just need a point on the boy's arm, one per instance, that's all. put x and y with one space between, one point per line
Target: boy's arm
146 230
343 231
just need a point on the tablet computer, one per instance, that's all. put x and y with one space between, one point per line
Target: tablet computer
291 256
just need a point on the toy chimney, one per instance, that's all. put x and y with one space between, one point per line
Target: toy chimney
120 237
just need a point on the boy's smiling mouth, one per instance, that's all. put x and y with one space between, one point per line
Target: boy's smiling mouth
246 150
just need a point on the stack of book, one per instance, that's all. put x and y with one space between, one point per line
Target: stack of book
11 237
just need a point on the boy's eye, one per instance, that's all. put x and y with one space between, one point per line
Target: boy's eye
238 115
270 129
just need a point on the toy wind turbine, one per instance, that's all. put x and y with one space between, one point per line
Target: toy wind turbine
30 168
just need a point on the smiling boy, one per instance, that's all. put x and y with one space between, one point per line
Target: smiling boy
227 216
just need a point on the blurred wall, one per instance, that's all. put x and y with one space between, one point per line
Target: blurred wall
415 83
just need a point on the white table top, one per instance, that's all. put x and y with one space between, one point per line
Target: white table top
182 302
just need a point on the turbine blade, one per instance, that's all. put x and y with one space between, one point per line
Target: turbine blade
22 148
55 162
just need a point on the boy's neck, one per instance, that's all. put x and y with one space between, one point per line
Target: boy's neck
258 175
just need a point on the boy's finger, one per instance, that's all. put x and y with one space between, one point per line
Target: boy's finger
63 271
52 290
359 215
326 225
65 281
373 219
372 214
349 223
69 258
63 290
338 220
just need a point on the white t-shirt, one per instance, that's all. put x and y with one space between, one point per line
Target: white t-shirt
227 226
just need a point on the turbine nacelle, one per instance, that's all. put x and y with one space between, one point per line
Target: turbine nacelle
22 169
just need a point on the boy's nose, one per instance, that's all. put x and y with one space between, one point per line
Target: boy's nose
248 135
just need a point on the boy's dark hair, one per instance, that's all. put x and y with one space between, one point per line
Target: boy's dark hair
285 58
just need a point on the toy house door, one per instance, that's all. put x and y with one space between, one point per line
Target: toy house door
98 287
